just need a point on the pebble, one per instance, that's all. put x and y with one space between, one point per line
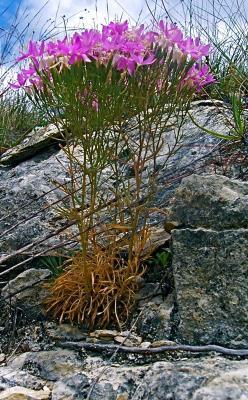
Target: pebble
2 357
128 341
159 343
21 393
104 334
145 345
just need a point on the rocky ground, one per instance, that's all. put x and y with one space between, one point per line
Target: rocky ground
199 299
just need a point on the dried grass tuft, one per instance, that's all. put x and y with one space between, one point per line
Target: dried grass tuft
98 289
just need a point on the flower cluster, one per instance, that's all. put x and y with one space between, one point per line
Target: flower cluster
127 48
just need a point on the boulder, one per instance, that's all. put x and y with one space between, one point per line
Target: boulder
210 201
49 365
210 260
10 377
154 323
135 377
27 290
77 387
195 380
37 140
211 277
29 197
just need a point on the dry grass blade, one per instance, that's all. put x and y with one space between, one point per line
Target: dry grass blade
99 289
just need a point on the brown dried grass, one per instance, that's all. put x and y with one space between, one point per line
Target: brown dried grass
99 288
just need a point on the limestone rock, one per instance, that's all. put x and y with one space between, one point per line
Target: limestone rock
2 357
182 379
27 188
211 279
49 365
27 289
21 393
37 140
154 322
77 387
145 345
185 380
128 339
26 192
105 334
64 332
10 377
159 343
211 201
231 385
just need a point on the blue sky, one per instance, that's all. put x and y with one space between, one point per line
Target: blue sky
86 9
84 13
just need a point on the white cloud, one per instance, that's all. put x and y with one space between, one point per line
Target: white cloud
86 13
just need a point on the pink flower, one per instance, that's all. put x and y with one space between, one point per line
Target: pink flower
127 47
198 77
194 48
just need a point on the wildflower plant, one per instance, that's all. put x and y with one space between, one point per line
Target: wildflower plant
115 92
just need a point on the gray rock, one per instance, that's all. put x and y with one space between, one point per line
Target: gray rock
27 290
128 339
26 192
210 271
195 380
37 140
231 385
64 332
2 357
77 387
211 201
154 322
182 379
10 377
26 189
50 365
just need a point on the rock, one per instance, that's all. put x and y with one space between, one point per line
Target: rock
182 379
211 201
50 365
231 385
158 237
21 393
10 377
159 343
27 290
210 271
186 380
145 345
105 334
2 357
26 193
154 322
64 332
37 140
27 188
77 387
128 340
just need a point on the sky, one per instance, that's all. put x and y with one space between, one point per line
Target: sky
87 13
100 10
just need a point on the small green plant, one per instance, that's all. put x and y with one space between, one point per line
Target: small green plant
161 258
54 263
